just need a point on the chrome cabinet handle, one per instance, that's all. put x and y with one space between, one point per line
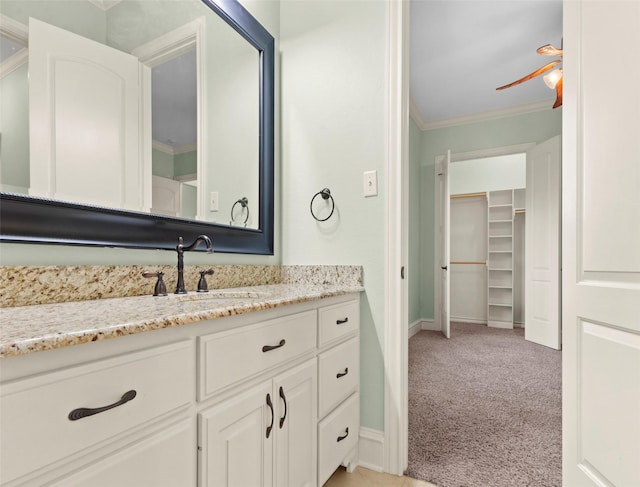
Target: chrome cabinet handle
270 404
342 374
268 348
341 322
85 412
340 438
285 407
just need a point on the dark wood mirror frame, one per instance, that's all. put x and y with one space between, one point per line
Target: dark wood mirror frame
28 219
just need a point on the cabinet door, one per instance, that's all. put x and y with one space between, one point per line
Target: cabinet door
233 443
166 459
295 441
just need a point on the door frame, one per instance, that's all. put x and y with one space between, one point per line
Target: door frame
396 314
458 157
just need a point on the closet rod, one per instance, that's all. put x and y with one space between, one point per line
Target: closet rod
473 262
519 212
468 195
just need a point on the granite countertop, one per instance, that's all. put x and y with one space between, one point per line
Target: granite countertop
28 329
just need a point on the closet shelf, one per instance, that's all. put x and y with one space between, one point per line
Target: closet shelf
499 236
500 206
499 287
502 305
497 269
500 221
500 251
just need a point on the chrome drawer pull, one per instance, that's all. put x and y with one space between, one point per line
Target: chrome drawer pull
268 348
270 404
341 322
342 374
84 412
340 438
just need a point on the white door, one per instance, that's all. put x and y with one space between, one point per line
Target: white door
296 435
85 117
166 196
445 223
601 244
233 445
542 248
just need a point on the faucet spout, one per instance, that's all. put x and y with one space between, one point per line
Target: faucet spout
181 249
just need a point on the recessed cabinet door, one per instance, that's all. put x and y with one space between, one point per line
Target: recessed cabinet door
296 395
233 443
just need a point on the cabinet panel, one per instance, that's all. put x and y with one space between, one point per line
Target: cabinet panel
167 459
231 439
338 374
295 438
35 411
226 358
337 435
338 321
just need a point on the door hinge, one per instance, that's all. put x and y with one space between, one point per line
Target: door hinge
402 272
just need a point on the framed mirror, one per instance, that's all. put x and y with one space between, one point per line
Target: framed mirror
215 157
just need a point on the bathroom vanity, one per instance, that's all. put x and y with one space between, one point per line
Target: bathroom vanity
257 387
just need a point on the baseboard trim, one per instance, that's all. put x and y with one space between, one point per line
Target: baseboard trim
473 321
430 325
371 449
415 327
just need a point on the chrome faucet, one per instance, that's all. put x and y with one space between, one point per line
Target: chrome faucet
181 249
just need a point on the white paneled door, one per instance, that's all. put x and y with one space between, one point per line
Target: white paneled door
601 244
542 254
85 121
445 224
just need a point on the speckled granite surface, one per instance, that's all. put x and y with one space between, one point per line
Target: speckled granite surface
29 285
29 329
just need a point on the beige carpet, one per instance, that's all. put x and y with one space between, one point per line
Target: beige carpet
484 409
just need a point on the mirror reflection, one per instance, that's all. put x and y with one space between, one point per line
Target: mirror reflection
143 105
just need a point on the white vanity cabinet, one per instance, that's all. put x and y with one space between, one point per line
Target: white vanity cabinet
269 398
265 436
64 427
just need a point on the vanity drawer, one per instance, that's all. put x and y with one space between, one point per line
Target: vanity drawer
338 321
339 374
337 434
35 411
227 358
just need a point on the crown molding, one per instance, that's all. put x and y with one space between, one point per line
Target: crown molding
14 62
105 4
174 151
416 115
537 106
14 30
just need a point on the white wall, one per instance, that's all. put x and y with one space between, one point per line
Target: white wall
488 174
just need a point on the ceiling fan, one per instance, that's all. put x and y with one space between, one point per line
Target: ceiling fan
553 79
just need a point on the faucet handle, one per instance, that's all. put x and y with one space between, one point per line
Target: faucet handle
160 288
202 283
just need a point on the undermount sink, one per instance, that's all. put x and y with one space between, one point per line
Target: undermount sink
214 294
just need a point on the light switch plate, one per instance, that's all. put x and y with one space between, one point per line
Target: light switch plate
370 183
214 204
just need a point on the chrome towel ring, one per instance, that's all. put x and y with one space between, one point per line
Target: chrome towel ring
326 194
244 203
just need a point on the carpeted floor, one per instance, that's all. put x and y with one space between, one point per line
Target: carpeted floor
484 409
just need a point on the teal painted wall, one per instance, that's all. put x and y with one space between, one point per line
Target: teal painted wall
162 164
532 127
413 267
14 127
333 123
186 163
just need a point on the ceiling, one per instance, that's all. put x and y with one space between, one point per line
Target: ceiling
462 50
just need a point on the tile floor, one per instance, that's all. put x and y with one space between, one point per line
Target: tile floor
363 477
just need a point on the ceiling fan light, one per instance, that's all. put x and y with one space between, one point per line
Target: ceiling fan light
551 79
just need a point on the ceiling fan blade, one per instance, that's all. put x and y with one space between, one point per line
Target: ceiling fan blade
558 94
537 72
549 50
